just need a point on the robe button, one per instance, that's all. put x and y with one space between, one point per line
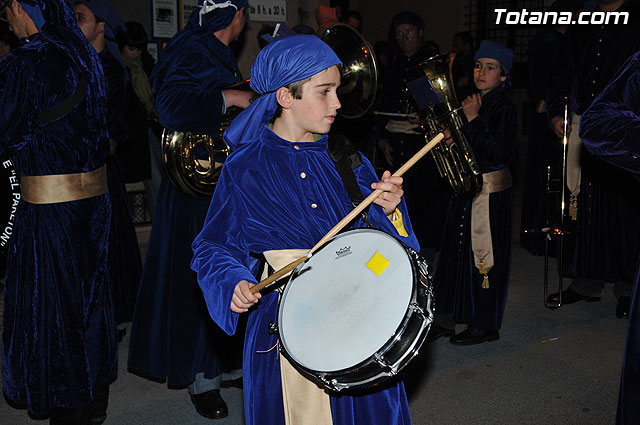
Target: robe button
296 147
303 175
314 206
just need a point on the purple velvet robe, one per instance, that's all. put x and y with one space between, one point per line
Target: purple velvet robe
610 129
58 329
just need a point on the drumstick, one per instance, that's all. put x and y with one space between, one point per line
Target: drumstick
357 210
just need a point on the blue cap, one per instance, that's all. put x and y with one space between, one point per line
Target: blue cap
491 50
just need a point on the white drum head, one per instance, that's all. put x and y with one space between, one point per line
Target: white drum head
347 301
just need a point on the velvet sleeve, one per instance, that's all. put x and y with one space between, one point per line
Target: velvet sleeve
492 135
365 175
190 98
221 256
610 127
20 111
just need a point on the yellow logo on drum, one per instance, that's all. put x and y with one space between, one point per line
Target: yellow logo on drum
378 263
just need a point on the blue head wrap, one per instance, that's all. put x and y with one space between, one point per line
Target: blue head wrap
285 61
112 23
491 50
35 13
213 16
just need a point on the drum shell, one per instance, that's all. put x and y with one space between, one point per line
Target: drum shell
399 348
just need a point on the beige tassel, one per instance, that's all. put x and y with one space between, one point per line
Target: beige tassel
485 281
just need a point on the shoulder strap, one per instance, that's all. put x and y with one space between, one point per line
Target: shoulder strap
66 106
346 159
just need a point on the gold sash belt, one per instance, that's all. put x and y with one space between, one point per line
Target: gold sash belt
481 242
56 188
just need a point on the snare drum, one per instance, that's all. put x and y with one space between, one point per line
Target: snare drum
357 311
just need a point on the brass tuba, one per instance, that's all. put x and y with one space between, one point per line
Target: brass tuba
194 176
439 110
198 178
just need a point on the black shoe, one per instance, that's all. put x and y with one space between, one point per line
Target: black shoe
472 336
235 383
436 331
570 297
210 404
623 306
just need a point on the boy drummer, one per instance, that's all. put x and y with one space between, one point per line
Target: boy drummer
278 194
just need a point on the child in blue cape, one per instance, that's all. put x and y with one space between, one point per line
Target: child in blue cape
279 193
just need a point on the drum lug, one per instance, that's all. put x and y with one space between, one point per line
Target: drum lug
331 384
273 329
417 309
385 365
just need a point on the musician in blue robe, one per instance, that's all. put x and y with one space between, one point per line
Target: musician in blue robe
99 22
610 129
606 247
172 336
472 276
280 190
59 342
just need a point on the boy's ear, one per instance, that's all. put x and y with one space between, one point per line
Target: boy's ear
284 97
101 28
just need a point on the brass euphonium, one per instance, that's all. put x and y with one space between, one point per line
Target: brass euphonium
182 151
183 154
439 111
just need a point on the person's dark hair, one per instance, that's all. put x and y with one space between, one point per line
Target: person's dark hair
466 37
7 36
353 14
135 36
296 90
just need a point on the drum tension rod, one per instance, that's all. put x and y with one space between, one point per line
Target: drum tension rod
273 329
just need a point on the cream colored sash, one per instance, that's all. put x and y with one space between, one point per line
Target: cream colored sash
305 403
574 167
401 126
58 188
481 242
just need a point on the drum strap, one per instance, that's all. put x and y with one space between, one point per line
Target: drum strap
346 159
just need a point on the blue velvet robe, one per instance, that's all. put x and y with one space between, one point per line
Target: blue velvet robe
610 129
457 281
172 336
262 203
125 263
58 329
